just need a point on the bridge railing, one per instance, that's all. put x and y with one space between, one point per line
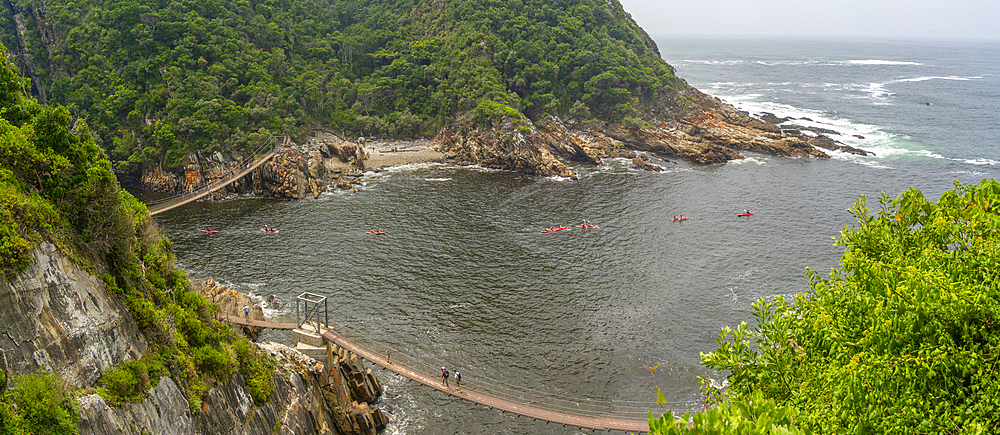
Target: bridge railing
591 407
263 152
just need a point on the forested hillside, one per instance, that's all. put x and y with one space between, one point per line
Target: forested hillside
156 80
57 187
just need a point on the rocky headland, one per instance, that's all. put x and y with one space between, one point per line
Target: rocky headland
708 131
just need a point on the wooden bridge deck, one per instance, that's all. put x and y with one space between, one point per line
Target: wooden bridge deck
434 381
204 191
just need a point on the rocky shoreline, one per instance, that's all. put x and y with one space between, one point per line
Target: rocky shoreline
713 132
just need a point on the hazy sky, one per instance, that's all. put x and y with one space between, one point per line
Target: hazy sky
978 19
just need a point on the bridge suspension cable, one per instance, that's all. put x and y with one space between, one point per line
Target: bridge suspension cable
603 414
594 407
258 156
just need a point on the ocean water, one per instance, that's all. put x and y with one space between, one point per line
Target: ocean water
931 104
464 278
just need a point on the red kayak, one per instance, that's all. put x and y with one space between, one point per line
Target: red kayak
587 227
745 214
269 231
375 232
554 229
209 231
680 219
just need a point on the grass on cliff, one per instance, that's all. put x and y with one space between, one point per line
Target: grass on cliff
57 186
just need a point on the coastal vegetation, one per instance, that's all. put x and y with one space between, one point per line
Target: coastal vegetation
37 403
57 186
903 337
159 80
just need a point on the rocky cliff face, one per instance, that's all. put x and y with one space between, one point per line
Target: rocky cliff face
22 12
706 131
325 162
59 316
301 404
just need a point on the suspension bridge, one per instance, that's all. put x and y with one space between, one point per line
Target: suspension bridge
261 155
595 414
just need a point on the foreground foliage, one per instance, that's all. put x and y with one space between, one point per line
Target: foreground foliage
756 416
902 338
57 186
158 80
37 404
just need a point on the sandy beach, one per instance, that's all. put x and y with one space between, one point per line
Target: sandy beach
382 154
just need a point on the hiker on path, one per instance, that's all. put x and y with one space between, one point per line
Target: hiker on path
458 380
444 377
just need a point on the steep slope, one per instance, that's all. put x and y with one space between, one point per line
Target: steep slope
91 301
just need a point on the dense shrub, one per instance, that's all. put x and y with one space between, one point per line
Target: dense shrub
902 338
756 416
126 383
217 362
257 368
38 404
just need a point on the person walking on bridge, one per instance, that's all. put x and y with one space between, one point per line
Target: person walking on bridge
444 377
246 311
458 381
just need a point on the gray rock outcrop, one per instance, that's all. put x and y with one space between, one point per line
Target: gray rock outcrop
59 316
230 302
226 409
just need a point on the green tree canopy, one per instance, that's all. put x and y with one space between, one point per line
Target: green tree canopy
156 80
57 186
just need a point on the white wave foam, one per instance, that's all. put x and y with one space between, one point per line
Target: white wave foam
411 167
872 164
437 179
333 193
715 62
980 162
746 160
871 138
805 117
478 168
785 62
735 88
972 173
881 62
924 79
880 93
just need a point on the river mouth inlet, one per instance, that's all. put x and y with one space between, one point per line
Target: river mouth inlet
464 277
